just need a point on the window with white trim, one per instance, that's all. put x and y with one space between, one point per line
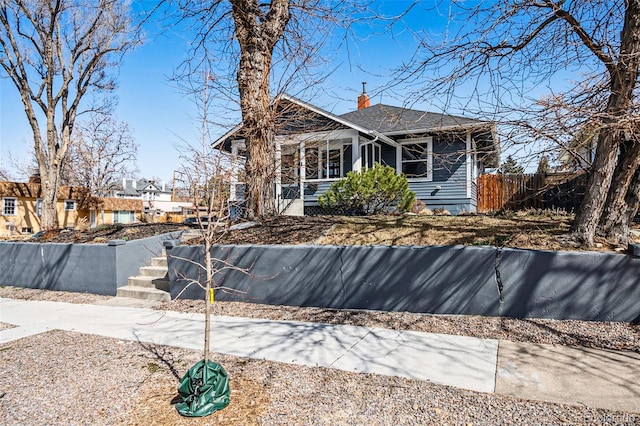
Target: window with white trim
9 206
39 207
124 216
417 158
69 205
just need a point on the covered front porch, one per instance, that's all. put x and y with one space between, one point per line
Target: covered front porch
307 164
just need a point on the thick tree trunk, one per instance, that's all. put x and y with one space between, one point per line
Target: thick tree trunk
616 209
48 212
633 201
259 139
618 225
257 36
624 77
50 165
590 211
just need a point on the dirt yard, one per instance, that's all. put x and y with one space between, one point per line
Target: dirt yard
528 230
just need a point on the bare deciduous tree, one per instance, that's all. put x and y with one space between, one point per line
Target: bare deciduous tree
55 53
101 151
255 39
515 48
4 175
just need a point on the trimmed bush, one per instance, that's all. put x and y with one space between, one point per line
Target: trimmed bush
373 191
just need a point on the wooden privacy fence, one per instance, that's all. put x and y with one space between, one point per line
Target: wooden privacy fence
562 191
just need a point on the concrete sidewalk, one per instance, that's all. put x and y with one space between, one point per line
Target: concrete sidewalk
597 378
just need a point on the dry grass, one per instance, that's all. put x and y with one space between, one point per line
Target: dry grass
534 229
531 231
526 230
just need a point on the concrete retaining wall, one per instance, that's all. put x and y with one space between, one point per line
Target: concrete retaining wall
86 268
442 280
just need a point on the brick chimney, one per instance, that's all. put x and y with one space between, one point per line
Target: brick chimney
363 99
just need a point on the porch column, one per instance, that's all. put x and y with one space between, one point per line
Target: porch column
356 160
468 163
303 168
278 172
233 181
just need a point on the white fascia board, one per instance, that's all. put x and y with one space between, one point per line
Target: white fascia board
337 119
222 138
316 136
468 126
372 133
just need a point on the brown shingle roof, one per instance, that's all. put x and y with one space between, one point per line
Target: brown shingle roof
34 190
117 204
82 196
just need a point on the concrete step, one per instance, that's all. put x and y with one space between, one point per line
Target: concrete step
154 271
144 293
149 282
159 261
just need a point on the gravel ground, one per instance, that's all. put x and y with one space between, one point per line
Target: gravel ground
69 378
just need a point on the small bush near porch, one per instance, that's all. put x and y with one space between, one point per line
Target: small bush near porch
374 191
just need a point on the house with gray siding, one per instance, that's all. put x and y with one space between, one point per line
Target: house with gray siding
442 155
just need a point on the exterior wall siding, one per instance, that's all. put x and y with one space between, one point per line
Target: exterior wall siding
313 190
449 174
474 196
448 189
26 217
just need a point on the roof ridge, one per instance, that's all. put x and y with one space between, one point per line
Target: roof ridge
421 111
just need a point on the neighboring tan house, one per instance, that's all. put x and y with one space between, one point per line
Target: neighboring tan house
21 203
76 208
442 155
107 211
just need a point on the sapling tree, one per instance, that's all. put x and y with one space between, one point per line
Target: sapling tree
205 175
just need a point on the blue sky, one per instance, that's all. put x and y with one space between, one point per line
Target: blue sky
162 118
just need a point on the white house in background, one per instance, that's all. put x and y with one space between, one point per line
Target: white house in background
442 155
157 197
